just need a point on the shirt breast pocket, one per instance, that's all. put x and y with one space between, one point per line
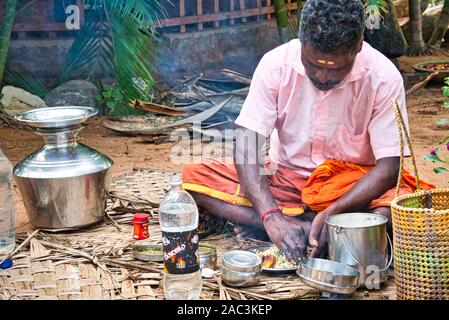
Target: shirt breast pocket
346 146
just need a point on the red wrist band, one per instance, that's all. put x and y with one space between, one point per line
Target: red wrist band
268 212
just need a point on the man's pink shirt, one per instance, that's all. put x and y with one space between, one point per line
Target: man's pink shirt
352 122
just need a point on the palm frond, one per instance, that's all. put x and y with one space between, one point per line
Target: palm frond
132 52
24 79
376 7
90 52
114 44
5 34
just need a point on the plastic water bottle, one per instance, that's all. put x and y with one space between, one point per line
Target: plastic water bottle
178 217
7 229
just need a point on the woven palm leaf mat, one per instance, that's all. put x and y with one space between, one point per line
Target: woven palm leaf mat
97 262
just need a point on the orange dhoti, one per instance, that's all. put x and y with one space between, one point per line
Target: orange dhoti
292 192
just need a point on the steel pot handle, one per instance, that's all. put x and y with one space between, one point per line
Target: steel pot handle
340 234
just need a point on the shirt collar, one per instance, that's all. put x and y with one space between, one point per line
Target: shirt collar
297 64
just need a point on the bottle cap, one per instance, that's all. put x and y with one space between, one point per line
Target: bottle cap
6 265
175 179
207 273
140 217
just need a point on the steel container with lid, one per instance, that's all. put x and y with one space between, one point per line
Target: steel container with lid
64 184
208 256
360 240
241 268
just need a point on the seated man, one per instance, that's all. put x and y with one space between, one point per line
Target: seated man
325 102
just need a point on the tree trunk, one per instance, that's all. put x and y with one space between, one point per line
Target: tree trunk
397 26
5 34
282 20
417 45
441 26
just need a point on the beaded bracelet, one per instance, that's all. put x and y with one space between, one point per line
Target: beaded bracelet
268 212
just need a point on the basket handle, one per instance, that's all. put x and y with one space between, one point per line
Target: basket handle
402 131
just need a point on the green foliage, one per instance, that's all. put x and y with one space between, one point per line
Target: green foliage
113 99
433 157
117 41
445 89
445 93
25 79
376 7
142 12
435 153
442 121
10 8
440 170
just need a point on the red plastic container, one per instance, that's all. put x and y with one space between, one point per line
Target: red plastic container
141 222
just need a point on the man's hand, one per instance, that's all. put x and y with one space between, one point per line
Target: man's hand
288 234
318 236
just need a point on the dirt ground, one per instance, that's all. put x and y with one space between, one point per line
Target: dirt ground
128 152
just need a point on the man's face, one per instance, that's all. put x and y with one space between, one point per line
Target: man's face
327 70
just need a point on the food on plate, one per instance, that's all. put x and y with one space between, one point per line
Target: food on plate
149 250
438 66
268 261
273 258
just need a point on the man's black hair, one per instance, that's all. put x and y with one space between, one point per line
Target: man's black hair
328 25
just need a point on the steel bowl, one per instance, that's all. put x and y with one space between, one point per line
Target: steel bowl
56 117
241 268
140 254
208 256
328 275
238 278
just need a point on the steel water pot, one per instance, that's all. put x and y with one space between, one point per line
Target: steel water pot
361 240
64 184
